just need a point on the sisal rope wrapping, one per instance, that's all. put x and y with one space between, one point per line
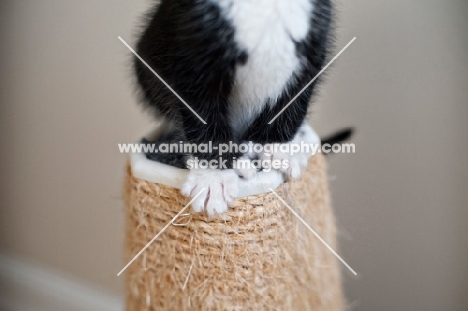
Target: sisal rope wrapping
257 256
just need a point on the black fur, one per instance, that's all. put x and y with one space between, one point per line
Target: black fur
191 46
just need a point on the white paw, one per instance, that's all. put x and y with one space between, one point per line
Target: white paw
221 188
245 168
296 161
294 164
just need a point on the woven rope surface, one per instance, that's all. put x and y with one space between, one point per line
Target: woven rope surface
257 256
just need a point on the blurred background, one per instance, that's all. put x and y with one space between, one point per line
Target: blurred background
401 201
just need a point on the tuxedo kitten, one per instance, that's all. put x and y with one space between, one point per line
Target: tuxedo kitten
237 64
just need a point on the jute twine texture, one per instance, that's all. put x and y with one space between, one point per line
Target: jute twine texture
257 256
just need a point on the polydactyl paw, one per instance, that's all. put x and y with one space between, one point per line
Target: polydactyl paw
221 188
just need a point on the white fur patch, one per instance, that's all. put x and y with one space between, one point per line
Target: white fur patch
221 187
266 29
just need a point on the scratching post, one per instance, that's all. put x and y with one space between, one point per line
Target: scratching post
258 256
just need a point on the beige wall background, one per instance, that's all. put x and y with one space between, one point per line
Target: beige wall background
401 201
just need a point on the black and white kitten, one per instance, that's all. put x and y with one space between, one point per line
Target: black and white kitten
237 63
